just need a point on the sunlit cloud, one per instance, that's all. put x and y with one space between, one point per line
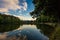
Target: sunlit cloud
6 5
16 8
25 18
25 5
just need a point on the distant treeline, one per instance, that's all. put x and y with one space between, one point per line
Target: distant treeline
8 19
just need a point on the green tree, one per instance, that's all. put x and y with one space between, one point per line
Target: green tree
47 8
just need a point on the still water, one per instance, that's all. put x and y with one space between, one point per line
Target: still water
24 32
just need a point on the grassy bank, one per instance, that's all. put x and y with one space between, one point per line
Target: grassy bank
56 34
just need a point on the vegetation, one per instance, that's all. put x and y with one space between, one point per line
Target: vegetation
46 19
8 27
46 29
47 8
48 11
7 19
8 23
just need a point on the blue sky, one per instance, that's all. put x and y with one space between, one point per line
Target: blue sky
19 8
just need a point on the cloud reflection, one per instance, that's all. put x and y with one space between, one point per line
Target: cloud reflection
24 33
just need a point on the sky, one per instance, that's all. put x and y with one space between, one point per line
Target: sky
18 8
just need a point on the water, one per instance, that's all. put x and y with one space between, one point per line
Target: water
24 32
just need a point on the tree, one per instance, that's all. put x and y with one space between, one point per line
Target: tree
47 8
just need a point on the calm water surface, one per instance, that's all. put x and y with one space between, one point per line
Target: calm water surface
24 32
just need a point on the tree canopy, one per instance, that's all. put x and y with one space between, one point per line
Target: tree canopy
8 19
47 8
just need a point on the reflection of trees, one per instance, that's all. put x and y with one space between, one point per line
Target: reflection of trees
47 11
4 28
8 22
46 29
19 38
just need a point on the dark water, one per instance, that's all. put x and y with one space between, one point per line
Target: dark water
24 32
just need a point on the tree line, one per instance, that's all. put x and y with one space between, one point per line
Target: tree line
8 19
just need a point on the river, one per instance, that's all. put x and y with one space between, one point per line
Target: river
24 32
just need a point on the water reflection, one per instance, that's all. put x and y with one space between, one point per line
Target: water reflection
5 28
24 32
46 29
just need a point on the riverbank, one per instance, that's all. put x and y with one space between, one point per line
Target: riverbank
56 34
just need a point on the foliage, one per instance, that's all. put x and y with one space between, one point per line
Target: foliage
8 23
7 19
45 19
56 34
47 11
47 8
46 29
8 27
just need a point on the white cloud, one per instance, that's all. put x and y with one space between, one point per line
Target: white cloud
25 5
14 5
25 18
6 5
